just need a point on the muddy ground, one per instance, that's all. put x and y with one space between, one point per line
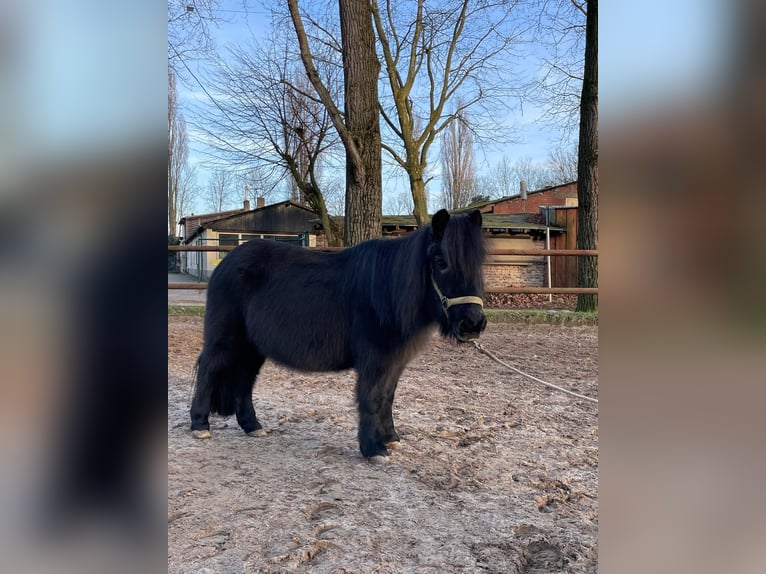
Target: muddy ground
495 473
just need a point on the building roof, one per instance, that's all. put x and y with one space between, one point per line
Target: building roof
265 207
514 221
224 217
484 204
205 217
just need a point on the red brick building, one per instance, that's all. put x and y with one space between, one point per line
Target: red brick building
564 195
554 207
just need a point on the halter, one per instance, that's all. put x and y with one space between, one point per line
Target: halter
447 302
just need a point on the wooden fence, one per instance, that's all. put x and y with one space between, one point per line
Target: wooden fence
538 252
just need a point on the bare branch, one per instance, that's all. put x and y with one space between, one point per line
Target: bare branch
316 80
579 6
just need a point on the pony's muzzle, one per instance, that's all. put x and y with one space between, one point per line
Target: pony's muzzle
471 324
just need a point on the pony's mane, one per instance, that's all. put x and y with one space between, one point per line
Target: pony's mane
393 274
463 249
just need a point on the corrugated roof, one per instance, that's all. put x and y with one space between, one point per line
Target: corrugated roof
489 221
271 205
239 213
513 221
205 217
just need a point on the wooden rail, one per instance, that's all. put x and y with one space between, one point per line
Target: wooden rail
540 252
542 290
545 290
201 247
512 290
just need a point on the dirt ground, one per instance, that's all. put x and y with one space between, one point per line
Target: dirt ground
495 473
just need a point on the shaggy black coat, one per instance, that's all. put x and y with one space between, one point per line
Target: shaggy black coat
370 307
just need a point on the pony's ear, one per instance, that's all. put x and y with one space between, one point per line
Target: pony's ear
475 217
439 223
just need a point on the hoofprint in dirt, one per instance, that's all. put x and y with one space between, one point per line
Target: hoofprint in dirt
494 474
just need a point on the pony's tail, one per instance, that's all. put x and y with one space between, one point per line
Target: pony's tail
223 400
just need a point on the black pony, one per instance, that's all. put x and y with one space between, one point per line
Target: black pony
370 307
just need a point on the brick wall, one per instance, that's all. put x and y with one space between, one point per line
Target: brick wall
510 275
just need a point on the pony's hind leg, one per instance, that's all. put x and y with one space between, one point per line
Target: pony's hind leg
203 392
219 368
244 409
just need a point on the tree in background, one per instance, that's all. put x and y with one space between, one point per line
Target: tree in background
562 163
257 181
182 187
269 120
587 164
220 191
189 35
505 176
558 33
434 54
477 199
453 48
177 152
458 166
500 181
398 203
359 125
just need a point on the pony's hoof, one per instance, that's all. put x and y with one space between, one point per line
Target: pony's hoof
378 459
257 432
393 445
201 433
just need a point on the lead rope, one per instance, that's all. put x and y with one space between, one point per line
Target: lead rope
550 385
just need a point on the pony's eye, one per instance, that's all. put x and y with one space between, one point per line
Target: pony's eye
441 264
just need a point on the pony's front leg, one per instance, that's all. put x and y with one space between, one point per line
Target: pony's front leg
390 436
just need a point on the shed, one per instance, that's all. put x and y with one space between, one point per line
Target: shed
285 221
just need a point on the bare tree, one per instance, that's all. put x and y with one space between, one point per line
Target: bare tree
188 191
334 185
587 164
536 174
562 164
359 125
262 180
189 37
399 203
220 190
500 181
178 153
433 54
559 32
268 120
458 166
505 178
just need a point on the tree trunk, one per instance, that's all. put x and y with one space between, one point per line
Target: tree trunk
587 164
172 187
418 188
316 200
364 184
